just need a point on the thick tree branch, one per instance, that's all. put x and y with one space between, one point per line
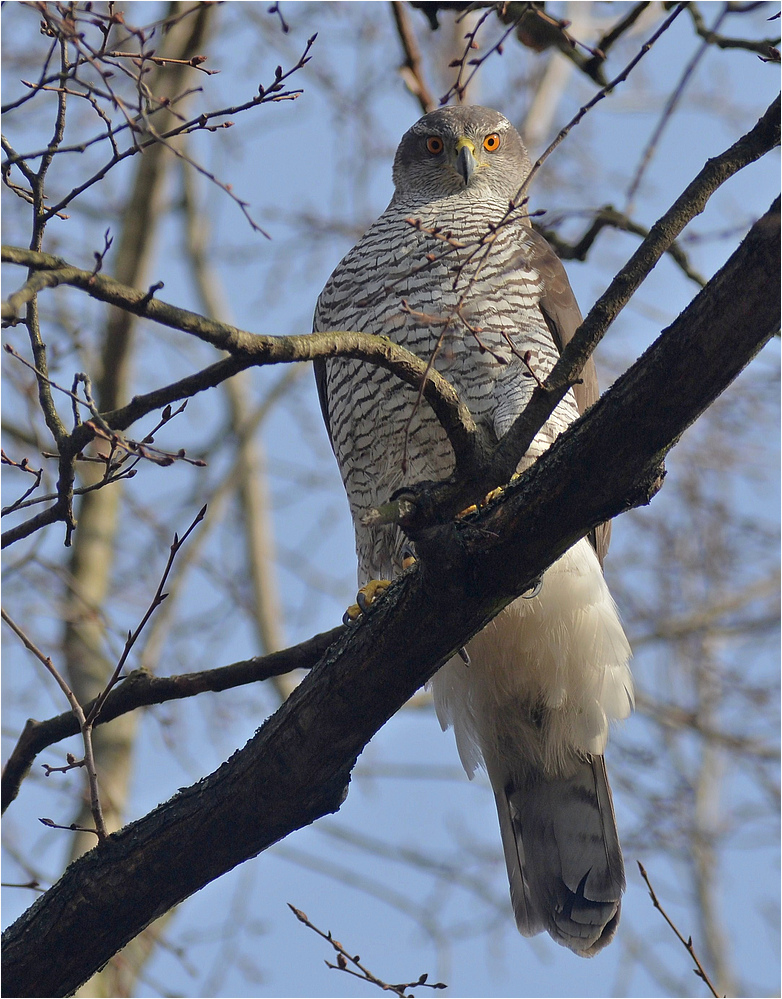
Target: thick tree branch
140 689
296 768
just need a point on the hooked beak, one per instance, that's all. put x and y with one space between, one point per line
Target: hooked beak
465 159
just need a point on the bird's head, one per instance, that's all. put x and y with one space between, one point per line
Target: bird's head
460 149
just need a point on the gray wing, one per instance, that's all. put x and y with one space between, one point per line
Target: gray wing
319 366
563 317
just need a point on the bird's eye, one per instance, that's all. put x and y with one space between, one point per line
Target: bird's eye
491 143
435 145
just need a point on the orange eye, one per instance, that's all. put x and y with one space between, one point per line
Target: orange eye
435 145
491 143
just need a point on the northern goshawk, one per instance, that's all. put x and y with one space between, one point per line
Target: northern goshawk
547 676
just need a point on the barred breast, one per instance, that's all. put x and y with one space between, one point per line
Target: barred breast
423 277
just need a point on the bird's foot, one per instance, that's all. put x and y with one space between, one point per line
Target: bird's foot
492 495
365 597
408 557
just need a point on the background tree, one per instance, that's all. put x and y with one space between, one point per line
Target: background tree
695 574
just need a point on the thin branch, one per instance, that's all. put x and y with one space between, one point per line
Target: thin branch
609 39
688 945
159 597
24 466
272 94
108 479
667 113
83 724
412 69
139 58
141 689
344 959
604 92
460 85
609 217
765 48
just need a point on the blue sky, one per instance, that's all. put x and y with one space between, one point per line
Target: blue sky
313 179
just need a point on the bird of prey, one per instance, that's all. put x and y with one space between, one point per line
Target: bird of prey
532 697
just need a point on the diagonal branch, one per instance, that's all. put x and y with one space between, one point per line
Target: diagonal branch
750 147
140 689
297 767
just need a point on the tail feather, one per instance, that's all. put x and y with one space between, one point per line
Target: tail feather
546 678
563 856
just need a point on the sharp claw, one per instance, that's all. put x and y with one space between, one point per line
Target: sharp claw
465 656
534 590
351 615
408 557
365 597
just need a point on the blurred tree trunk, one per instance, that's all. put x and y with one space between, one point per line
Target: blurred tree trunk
92 560
251 483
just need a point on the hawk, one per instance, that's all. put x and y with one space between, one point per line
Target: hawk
454 272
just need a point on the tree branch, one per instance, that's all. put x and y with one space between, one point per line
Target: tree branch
296 768
141 689
470 442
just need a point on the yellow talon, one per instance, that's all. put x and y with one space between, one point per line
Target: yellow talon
364 598
484 502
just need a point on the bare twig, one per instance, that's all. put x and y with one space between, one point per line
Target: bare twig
158 599
140 126
604 92
139 449
609 217
344 959
140 688
84 726
688 945
765 48
460 85
73 827
609 39
667 113
275 9
139 58
24 466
